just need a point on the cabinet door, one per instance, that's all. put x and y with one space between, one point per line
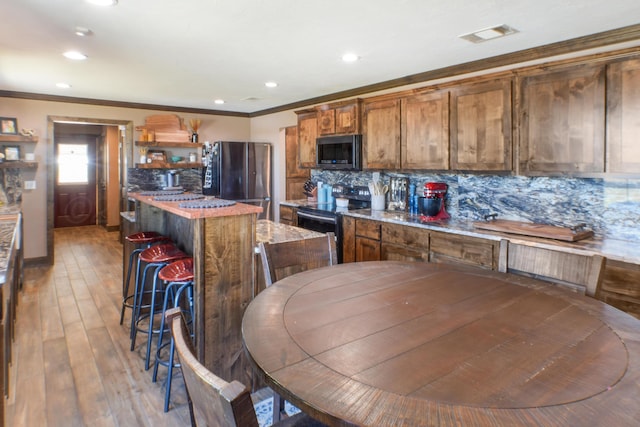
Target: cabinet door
367 249
481 126
307 134
389 252
348 239
326 121
381 146
347 118
623 116
425 131
288 215
563 117
291 153
295 188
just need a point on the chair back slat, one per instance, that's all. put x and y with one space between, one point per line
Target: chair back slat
280 260
215 402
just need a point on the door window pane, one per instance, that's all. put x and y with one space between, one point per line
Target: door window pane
73 164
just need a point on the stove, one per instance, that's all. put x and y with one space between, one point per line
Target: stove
327 217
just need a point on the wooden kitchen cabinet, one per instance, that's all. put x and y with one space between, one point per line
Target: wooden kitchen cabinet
288 215
295 176
339 118
562 121
367 242
481 126
348 239
425 131
448 247
381 134
623 113
307 134
620 286
402 243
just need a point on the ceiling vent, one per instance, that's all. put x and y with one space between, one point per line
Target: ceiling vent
489 34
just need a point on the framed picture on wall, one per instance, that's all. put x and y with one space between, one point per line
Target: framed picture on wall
8 126
11 152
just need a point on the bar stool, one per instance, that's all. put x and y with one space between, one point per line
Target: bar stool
179 278
146 238
156 257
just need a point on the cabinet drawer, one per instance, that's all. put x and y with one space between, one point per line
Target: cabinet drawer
369 229
464 249
406 236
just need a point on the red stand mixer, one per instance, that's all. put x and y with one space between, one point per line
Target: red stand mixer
432 204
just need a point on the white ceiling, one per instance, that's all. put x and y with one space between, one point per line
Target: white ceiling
186 53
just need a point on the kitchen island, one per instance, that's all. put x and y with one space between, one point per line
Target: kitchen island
223 243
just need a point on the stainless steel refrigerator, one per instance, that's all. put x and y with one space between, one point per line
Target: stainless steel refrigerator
239 171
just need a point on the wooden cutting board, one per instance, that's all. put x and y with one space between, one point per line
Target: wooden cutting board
533 229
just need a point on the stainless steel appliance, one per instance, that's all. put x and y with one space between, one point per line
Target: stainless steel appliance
327 217
341 152
238 171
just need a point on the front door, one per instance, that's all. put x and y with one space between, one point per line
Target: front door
75 181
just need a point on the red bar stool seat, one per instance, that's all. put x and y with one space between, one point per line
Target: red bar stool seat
179 278
142 240
155 258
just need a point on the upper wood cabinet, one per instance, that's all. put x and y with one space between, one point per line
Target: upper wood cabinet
562 123
307 134
481 126
381 134
424 142
623 116
339 118
295 176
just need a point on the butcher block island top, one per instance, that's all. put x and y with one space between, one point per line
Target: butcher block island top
197 213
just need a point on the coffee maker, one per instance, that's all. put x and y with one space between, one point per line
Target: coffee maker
432 204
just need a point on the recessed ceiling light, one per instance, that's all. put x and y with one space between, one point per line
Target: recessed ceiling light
63 85
489 33
350 57
103 2
82 32
271 84
219 101
73 54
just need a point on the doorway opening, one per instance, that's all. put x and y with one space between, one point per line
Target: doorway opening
87 174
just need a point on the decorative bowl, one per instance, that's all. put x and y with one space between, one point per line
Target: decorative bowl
176 159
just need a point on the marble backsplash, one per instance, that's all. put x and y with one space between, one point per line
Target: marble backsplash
11 186
610 207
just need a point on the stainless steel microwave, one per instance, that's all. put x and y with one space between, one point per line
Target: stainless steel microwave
342 152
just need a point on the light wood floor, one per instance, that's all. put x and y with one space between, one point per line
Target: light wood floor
72 365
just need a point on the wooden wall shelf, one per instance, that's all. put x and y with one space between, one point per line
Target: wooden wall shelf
18 164
165 165
167 144
18 138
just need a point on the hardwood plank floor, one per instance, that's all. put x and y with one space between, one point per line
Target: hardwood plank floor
72 365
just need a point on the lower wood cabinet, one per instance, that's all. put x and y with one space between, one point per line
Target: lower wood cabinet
448 247
620 286
288 215
367 240
401 243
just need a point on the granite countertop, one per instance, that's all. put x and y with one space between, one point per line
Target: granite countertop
273 232
174 208
620 250
128 216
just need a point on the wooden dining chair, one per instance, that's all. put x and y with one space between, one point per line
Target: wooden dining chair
280 260
212 400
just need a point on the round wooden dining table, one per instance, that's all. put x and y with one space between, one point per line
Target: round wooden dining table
417 344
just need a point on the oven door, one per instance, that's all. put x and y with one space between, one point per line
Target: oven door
323 222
